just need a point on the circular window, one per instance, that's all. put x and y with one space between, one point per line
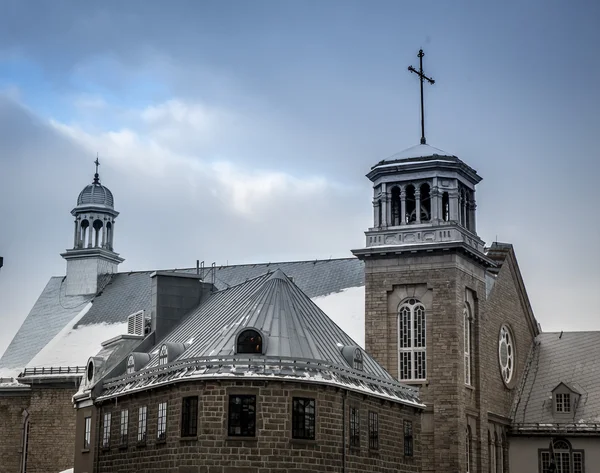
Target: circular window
506 354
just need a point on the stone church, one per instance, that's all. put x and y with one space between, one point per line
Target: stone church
242 368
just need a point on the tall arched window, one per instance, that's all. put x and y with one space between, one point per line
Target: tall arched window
97 232
445 207
411 341
379 214
396 206
425 203
468 449
411 203
83 233
467 335
249 341
561 458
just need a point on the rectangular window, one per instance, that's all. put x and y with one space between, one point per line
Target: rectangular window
87 432
354 427
408 438
545 462
577 462
189 416
563 402
303 418
124 426
142 427
373 430
106 430
242 415
161 432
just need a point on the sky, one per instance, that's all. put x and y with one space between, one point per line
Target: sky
241 131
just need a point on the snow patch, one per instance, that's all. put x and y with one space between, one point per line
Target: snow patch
347 310
73 346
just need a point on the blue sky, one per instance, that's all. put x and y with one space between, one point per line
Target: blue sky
239 131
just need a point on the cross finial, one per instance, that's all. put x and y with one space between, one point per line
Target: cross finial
96 175
422 77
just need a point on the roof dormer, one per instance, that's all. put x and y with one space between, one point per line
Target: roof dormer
564 400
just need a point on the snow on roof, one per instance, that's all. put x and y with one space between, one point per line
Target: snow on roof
419 151
347 310
73 346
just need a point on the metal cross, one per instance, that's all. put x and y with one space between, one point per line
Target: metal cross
96 176
97 163
422 77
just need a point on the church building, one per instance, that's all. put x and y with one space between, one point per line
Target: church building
420 354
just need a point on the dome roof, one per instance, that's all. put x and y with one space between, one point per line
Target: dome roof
95 194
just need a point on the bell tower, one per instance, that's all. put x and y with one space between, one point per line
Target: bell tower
92 254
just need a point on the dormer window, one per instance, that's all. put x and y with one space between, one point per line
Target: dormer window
563 403
565 399
163 356
358 360
130 364
249 341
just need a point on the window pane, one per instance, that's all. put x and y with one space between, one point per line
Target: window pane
373 430
142 419
303 418
162 421
124 426
354 427
87 432
189 417
408 438
242 415
106 430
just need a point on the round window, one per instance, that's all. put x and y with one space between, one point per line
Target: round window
506 354
90 371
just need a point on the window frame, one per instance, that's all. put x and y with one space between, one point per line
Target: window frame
163 355
409 445
189 416
106 424
124 427
373 430
565 403
468 344
243 347
415 341
87 432
161 424
304 424
244 416
130 364
545 458
354 425
142 433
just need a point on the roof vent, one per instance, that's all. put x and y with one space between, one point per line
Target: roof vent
138 324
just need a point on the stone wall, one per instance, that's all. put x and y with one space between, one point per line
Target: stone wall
13 407
273 449
52 429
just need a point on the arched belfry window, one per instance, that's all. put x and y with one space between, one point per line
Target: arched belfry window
249 341
396 205
411 341
425 203
163 356
467 342
411 215
445 207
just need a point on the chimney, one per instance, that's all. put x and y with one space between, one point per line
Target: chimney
173 296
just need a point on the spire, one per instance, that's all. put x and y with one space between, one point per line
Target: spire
96 175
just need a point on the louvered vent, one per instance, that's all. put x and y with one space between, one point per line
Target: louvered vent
135 323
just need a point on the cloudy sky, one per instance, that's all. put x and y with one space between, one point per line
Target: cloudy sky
240 131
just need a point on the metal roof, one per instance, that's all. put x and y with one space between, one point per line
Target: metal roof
95 194
300 341
572 358
122 294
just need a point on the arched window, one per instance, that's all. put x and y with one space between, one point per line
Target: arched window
411 341
561 458
163 356
425 203
83 233
379 214
468 449
130 364
249 341
108 241
491 454
396 205
445 207
97 232
25 442
358 360
467 337
411 203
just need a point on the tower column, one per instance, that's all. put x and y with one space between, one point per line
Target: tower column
418 205
76 236
403 206
384 209
453 197
435 204
473 215
112 234
376 222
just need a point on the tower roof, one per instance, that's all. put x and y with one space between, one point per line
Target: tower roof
419 151
95 194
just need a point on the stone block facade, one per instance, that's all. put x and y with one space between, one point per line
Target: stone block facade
456 413
13 413
272 450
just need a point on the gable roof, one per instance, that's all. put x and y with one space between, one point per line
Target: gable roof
300 340
122 294
572 358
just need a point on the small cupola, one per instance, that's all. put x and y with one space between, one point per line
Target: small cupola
565 399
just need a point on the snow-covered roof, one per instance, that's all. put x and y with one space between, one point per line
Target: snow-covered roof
419 151
57 330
